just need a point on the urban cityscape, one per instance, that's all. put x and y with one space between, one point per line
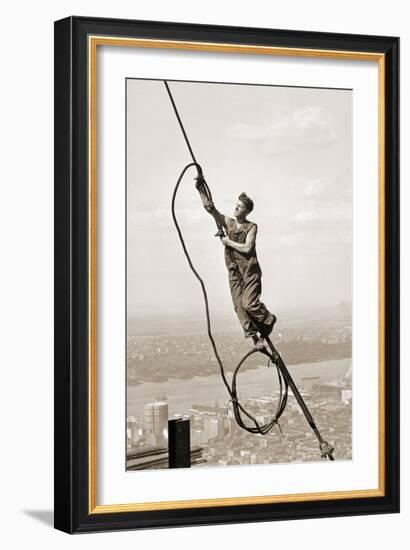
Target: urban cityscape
321 360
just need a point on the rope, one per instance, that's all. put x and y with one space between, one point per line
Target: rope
180 121
236 405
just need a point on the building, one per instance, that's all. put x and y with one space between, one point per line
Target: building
331 390
213 426
198 437
156 420
309 382
134 431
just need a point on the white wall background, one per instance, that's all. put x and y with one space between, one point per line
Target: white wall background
26 277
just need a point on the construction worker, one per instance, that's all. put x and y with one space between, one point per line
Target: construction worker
245 274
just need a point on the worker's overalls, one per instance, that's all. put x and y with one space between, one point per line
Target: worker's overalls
246 287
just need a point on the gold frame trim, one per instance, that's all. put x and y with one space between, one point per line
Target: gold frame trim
93 42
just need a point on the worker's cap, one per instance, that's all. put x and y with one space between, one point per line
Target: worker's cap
248 202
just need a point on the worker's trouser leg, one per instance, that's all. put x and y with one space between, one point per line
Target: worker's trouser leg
246 302
236 293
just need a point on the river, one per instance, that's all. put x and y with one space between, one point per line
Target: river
210 390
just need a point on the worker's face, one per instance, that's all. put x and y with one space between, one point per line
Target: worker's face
240 209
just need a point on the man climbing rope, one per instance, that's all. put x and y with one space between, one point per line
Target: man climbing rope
244 272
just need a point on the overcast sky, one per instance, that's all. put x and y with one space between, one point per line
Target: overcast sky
290 149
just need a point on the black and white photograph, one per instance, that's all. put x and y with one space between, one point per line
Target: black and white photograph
239 223
205 283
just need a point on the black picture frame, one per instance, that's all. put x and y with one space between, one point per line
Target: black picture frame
73 513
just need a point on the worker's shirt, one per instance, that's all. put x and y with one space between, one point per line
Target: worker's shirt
247 263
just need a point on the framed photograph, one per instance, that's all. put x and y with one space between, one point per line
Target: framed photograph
193 163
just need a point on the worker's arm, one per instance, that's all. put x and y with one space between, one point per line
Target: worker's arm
245 247
208 204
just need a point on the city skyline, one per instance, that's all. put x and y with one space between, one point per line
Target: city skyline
217 440
178 375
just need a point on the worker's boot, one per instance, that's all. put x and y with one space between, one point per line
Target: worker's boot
269 324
